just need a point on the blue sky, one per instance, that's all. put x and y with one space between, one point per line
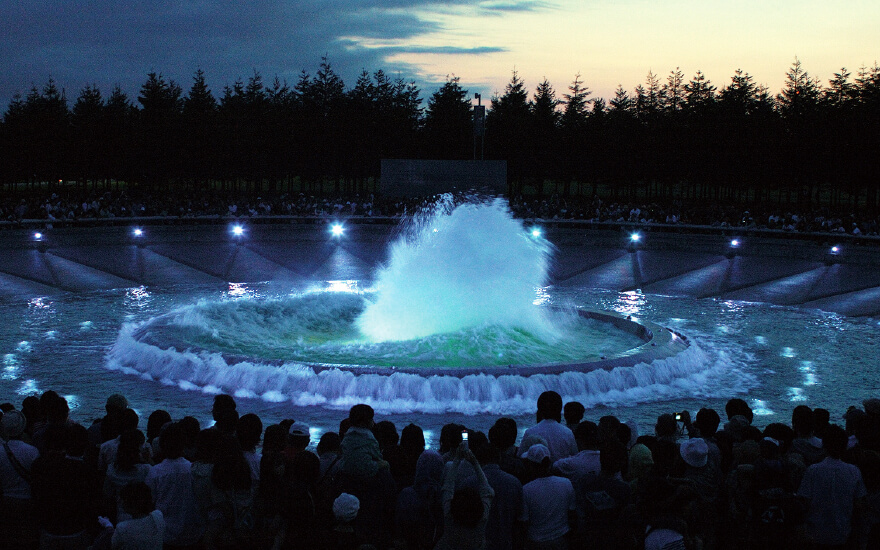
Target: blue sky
103 42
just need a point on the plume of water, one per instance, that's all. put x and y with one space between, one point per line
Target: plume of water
459 267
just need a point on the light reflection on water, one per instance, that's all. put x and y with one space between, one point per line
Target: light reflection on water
795 356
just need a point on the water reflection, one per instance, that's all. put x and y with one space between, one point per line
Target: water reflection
806 367
542 297
629 303
28 387
10 367
341 286
796 394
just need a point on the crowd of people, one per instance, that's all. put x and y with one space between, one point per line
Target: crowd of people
567 482
80 204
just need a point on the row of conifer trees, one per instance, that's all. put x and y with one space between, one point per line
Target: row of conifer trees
810 142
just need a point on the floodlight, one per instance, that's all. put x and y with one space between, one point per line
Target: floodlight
635 237
735 243
38 235
138 232
237 230
536 232
835 249
337 229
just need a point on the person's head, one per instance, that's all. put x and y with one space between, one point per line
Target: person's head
821 420
329 443
738 407
155 421
485 452
275 439
386 434
171 442
586 435
412 439
466 507
361 416
450 437
835 441
707 421
537 458
855 418
608 427
116 403
641 461
57 410
694 452
223 404
207 442
13 424
128 453
346 507
502 434
248 431
666 425
128 420
137 500
549 406
781 433
612 457
298 436
573 412
802 421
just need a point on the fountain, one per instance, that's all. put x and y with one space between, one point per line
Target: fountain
458 319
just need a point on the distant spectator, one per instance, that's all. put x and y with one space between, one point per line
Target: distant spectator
833 489
560 440
573 411
549 503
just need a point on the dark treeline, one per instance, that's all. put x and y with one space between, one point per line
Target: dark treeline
666 139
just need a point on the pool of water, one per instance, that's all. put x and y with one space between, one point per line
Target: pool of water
774 357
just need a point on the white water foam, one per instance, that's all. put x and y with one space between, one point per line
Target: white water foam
694 372
456 268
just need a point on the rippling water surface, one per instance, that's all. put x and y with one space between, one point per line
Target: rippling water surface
775 357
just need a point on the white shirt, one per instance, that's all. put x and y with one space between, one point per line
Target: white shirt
560 440
171 482
144 533
14 486
546 503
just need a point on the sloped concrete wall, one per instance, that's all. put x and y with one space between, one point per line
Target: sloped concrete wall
776 270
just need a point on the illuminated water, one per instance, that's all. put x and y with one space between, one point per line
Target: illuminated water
775 357
445 299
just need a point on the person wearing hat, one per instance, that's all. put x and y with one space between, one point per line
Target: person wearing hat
549 504
560 439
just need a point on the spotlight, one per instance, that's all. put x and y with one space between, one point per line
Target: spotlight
336 229
635 237
536 232
237 230
38 236
138 232
835 250
735 243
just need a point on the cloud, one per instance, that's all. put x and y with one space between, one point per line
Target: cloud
109 42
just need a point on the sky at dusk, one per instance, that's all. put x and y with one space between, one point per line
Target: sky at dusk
109 42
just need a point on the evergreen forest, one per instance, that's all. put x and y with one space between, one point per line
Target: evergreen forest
669 137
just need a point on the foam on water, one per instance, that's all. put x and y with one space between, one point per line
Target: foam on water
458 267
459 289
692 372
